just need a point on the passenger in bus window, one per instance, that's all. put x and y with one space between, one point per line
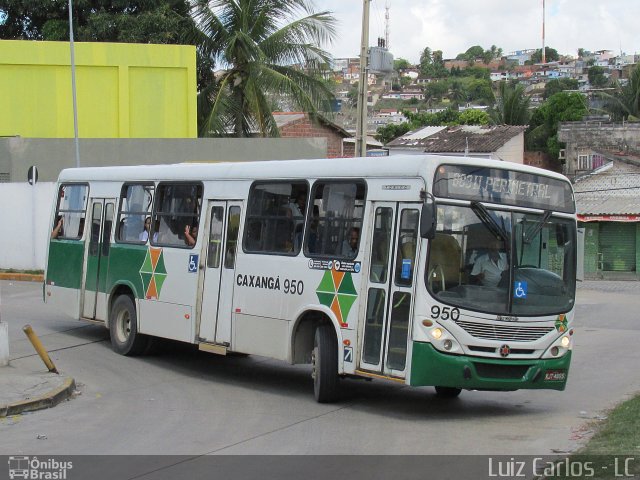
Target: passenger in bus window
312 241
144 235
487 269
58 229
81 228
297 207
350 244
190 235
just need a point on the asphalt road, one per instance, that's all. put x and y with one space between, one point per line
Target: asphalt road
184 402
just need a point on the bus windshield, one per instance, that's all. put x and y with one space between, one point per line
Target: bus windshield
502 262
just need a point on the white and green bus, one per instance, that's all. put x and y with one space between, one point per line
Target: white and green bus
452 272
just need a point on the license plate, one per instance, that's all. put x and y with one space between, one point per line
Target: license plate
555 376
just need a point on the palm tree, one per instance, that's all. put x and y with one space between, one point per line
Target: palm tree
270 49
512 106
625 103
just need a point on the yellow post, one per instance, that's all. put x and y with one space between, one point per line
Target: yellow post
37 344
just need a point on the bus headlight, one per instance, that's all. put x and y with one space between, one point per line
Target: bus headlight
559 347
447 344
436 333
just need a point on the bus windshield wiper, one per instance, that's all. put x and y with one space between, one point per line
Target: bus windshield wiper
483 214
531 233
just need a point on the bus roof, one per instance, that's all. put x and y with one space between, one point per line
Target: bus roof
394 166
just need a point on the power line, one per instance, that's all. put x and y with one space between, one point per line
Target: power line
607 189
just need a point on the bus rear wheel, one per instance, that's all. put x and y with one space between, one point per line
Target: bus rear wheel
123 328
324 361
448 392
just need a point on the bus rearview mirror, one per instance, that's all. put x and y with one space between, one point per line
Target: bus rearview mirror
428 219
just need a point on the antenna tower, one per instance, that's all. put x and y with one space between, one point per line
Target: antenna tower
386 25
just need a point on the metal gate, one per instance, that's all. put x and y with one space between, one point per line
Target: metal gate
618 246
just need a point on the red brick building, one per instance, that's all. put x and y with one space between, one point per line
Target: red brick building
303 125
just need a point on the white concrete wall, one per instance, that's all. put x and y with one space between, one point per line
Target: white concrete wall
25 224
513 150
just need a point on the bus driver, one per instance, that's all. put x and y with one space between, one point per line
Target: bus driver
488 268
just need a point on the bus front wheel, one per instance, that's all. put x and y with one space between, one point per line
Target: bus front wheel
324 360
123 328
448 392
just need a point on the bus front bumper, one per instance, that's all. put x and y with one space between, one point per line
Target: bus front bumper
431 367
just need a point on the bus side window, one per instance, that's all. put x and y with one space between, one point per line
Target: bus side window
177 207
275 220
340 207
135 213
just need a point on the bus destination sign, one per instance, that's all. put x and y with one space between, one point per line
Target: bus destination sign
507 187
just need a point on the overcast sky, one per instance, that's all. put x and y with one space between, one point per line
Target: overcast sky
454 25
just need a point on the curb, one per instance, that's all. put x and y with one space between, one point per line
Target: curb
48 400
22 277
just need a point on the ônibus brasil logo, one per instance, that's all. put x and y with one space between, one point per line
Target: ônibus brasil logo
32 468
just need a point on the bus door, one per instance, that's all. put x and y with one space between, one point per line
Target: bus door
217 292
100 220
390 287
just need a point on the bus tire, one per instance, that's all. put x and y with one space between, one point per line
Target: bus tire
448 392
325 364
123 328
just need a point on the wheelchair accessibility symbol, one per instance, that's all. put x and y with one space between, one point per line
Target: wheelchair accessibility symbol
193 263
520 290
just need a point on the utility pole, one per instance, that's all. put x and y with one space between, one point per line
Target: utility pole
73 86
361 124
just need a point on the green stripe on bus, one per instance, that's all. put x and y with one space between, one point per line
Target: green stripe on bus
124 267
433 368
64 268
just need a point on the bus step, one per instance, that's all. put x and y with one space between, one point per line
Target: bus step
213 348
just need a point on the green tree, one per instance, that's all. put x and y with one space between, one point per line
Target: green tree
480 90
474 117
401 64
551 55
457 94
477 72
434 91
542 134
474 52
624 104
491 54
558 85
597 77
149 21
269 48
390 132
512 105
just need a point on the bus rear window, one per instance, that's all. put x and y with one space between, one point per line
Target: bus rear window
70 212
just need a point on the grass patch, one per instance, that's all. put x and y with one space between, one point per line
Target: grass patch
29 272
614 451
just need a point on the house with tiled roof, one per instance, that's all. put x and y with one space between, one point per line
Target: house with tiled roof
498 142
608 206
304 125
340 143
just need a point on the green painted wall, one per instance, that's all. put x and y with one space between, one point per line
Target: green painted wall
637 248
123 90
591 246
